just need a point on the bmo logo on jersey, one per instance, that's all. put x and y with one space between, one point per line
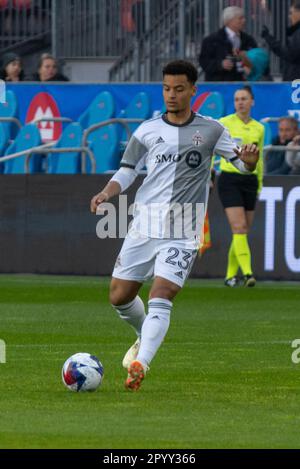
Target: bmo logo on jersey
194 159
168 158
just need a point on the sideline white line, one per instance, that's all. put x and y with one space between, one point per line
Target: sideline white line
98 344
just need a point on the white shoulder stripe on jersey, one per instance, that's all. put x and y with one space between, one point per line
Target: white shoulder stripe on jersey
207 118
152 119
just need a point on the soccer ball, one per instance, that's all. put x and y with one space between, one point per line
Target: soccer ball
82 372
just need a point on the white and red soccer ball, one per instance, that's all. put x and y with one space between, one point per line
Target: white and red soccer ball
82 372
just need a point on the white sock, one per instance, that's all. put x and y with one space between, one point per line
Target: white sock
154 329
133 313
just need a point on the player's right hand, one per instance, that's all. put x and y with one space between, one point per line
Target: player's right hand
98 200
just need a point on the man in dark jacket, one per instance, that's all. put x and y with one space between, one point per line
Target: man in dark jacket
290 53
275 161
223 53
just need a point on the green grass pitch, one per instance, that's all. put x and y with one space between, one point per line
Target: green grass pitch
223 378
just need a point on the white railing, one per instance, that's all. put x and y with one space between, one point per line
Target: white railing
84 149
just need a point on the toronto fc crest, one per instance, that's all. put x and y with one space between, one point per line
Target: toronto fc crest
197 139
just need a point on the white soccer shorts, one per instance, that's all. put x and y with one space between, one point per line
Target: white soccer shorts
144 258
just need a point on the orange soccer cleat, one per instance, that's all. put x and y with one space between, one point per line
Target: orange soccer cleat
136 374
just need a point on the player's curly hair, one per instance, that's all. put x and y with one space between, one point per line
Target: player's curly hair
181 67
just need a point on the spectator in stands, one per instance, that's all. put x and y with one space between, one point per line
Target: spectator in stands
292 158
48 70
275 161
11 68
223 54
138 15
290 53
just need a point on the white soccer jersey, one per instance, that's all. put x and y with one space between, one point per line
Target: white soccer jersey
178 162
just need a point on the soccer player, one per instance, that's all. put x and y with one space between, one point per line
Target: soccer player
238 191
177 149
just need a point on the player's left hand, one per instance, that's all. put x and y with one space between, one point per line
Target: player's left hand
249 154
97 201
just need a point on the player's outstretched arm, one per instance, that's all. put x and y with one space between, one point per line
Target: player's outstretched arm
249 154
244 158
110 190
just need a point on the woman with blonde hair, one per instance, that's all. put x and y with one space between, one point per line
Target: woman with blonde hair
48 70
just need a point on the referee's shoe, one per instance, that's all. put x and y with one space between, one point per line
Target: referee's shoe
249 281
231 282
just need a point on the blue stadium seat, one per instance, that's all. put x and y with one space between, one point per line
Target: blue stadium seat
67 163
268 133
101 109
138 108
28 137
104 143
9 109
3 144
210 104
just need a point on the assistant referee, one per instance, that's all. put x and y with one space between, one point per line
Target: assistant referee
238 192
